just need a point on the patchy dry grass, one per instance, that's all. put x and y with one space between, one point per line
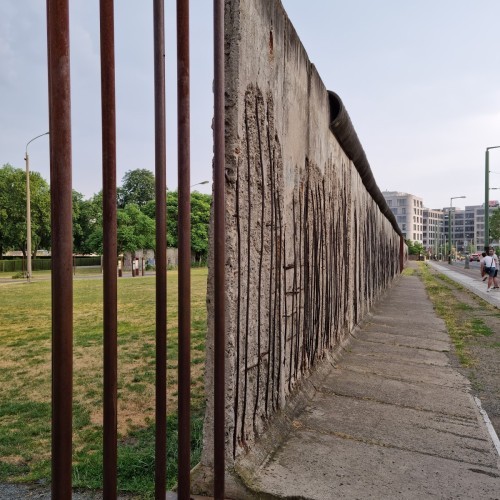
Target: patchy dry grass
25 359
463 321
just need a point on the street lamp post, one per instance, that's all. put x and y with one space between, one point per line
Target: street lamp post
487 197
449 224
28 209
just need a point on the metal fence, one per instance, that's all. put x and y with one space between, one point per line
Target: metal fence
62 241
44 264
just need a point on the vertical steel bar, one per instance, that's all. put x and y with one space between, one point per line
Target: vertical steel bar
184 231
219 253
161 251
108 110
62 244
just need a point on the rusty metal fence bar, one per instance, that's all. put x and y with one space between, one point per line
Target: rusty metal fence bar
62 247
219 252
184 232
110 351
62 244
161 251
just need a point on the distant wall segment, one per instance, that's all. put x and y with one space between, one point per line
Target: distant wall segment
309 246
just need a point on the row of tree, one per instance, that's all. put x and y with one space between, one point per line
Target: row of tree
135 215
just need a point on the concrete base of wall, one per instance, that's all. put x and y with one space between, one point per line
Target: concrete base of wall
240 480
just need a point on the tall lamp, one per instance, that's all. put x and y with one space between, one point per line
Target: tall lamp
449 224
487 197
28 209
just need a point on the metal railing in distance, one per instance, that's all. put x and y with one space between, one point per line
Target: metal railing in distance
62 244
109 211
219 252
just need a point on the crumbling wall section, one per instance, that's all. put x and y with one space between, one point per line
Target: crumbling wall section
308 249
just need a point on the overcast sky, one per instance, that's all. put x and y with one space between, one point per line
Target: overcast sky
420 80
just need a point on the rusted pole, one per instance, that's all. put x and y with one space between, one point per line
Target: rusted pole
161 252
184 231
219 252
62 244
108 111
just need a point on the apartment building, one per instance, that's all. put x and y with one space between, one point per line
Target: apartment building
430 226
433 233
467 229
408 210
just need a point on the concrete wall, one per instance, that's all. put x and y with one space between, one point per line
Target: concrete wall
308 249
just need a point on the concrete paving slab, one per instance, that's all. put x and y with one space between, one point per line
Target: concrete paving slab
318 466
415 395
418 322
405 340
444 376
403 428
426 332
399 353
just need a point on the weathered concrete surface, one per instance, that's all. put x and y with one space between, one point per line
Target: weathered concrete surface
301 227
383 423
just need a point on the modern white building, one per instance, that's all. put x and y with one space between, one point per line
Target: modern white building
434 236
430 226
409 212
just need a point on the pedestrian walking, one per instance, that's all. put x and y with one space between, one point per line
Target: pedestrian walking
481 267
491 269
495 277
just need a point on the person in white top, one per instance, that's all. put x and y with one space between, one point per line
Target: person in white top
491 269
495 277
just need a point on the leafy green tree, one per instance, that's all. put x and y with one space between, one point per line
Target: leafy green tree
415 248
138 187
495 224
135 230
200 220
87 216
13 210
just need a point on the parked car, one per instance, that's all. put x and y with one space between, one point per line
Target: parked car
475 257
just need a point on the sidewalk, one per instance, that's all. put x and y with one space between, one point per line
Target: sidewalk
469 281
391 419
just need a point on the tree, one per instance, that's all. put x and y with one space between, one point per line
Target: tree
135 231
495 224
87 216
13 227
200 221
138 187
414 247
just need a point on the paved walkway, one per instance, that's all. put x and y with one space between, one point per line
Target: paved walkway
391 419
469 278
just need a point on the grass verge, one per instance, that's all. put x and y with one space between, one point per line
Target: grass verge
464 322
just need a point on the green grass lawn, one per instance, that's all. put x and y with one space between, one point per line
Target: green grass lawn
25 336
